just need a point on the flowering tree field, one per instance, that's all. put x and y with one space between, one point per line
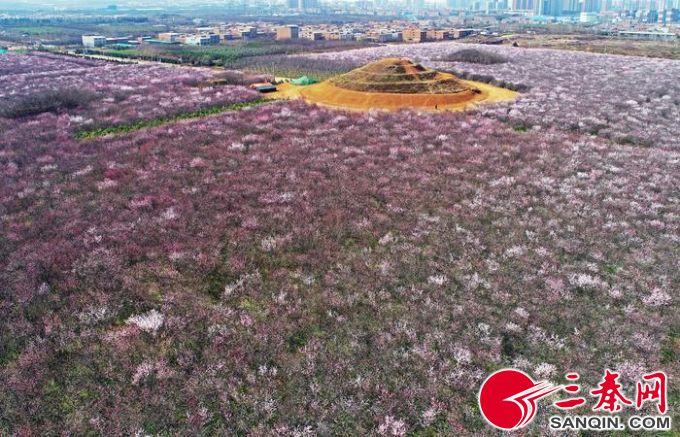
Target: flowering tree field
631 100
38 62
123 93
293 270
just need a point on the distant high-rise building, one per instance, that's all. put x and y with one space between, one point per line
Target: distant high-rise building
552 8
664 15
414 5
652 17
492 6
522 5
571 7
591 6
303 5
461 4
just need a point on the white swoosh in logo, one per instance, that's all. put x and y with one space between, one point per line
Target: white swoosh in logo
527 398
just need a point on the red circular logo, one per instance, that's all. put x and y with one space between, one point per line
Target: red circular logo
508 398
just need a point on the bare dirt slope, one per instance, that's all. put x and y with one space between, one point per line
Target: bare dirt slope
395 83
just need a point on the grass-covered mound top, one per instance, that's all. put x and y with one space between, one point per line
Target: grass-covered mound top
402 76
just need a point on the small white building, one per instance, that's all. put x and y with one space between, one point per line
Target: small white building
94 40
202 40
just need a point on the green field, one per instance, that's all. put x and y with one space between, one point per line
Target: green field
159 121
228 54
263 57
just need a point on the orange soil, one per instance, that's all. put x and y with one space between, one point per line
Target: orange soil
327 94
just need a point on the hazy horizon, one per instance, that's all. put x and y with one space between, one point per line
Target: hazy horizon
159 3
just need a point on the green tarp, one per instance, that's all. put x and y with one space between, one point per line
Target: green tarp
304 80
